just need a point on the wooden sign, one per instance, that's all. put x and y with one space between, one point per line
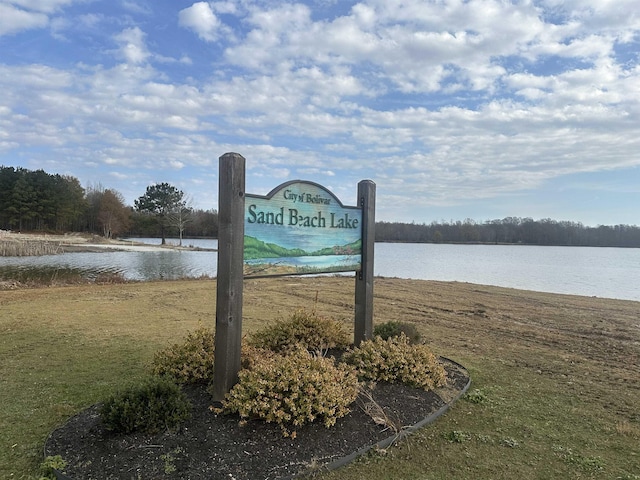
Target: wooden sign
300 228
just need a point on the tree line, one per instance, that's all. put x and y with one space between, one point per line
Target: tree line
511 230
42 202
39 201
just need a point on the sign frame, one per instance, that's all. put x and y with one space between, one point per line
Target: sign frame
230 276
300 228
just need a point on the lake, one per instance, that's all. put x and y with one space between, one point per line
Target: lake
600 272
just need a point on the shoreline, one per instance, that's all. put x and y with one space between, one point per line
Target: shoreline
611 288
74 243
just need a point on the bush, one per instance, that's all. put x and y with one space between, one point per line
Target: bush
49 466
313 332
251 355
293 390
155 405
394 329
396 360
190 361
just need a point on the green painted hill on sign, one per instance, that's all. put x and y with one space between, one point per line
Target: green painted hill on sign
255 248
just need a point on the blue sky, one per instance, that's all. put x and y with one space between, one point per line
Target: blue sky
474 109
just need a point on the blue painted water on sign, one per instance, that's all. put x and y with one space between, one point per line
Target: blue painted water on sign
311 261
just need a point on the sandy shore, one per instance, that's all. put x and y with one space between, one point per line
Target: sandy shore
85 243
114 245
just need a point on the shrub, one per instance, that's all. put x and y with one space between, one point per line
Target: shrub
313 332
150 407
49 466
293 390
457 436
394 329
251 355
395 360
477 396
190 361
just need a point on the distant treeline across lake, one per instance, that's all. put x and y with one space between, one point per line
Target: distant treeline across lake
511 230
36 201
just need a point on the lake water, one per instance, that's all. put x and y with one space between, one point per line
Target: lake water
600 272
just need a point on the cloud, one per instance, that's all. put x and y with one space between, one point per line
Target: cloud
200 18
224 7
136 6
21 15
132 45
13 20
46 6
405 49
439 102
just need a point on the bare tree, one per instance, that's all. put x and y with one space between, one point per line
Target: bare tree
180 215
113 216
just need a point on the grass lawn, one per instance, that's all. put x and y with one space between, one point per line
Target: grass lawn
556 378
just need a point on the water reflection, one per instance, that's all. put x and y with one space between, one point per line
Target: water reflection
172 265
130 265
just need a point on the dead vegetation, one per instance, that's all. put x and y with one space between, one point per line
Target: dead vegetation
24 248
22 245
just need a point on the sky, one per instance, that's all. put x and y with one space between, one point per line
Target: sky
474 109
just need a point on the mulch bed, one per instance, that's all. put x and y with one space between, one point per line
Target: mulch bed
211 446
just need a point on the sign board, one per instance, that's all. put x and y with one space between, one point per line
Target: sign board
300 228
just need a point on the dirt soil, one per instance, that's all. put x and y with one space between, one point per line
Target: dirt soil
215 446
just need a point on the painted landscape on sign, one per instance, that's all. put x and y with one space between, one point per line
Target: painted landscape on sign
300 228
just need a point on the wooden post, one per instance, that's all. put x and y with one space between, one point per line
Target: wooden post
363 327
230 275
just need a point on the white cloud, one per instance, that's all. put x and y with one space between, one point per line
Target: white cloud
440 102
46 6
414 47
137 7
13 20
132 45
200 18
411 45
21 15
224 7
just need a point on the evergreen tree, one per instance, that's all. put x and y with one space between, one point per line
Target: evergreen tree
159 201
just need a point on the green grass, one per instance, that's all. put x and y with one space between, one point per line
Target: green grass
526 426
47 377
63 349
555 391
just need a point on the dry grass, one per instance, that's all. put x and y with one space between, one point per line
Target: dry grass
22 245
556 377
24 248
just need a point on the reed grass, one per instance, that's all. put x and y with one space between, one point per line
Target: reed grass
33 277
26 248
